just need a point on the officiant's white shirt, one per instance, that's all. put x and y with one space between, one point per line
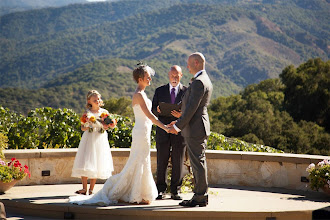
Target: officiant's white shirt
176 89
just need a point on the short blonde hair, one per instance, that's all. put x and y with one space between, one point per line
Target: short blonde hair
199 57
90 94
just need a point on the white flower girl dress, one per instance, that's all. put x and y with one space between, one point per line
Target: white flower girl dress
93 158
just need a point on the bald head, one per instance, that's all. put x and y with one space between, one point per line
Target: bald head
176 68
175 75
196 62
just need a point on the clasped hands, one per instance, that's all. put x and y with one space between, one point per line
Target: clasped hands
171 129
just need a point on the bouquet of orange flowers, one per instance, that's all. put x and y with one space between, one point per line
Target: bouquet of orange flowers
89 120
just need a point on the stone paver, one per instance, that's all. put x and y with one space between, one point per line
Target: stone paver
230 201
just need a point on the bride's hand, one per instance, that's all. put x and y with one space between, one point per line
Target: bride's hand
167 129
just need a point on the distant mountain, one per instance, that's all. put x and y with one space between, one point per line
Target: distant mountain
244 41
10 6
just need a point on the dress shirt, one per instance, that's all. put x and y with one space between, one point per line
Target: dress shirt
198 73
176 89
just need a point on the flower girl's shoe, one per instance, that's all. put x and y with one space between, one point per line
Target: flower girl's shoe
81 191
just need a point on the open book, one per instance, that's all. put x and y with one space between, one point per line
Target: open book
166 108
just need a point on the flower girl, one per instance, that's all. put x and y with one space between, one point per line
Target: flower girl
93 159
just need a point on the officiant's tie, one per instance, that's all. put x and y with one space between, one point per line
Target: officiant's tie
172 95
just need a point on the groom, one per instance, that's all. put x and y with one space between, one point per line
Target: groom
195 125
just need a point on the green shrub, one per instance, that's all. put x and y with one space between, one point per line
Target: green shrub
319 175
3 144
220 142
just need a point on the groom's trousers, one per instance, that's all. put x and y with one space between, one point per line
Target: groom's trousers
196 150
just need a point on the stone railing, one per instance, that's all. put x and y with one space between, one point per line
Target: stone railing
53 166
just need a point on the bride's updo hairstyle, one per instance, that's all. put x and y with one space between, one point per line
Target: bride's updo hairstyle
138 73
89 95
141 70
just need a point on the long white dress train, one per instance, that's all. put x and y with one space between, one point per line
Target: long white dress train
135 182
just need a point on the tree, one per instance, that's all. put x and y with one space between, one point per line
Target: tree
257 115
307 95
120 106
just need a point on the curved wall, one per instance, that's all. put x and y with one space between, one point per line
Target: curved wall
224 167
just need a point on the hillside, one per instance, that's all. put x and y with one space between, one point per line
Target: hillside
244 42
290 113
10 6
111 77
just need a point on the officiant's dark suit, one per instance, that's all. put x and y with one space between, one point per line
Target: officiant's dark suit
195 125
169 145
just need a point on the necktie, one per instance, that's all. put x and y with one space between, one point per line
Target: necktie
172 95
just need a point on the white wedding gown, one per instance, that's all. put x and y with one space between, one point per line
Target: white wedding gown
135 182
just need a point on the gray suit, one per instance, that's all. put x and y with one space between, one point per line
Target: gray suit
195 126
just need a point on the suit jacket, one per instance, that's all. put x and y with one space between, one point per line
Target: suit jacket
162 94
194 121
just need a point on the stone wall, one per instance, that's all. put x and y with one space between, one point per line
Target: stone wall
224 167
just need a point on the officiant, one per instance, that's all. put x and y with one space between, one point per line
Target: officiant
169 145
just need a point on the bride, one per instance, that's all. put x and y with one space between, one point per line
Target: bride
135 183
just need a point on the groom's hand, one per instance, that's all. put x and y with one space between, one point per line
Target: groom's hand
172 129
172 123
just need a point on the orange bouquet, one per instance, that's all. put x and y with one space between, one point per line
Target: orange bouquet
89 120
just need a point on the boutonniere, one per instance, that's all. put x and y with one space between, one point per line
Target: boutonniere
192 80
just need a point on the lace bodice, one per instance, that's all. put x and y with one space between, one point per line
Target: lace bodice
141 120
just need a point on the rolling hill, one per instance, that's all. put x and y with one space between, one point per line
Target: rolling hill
111 77
52 50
